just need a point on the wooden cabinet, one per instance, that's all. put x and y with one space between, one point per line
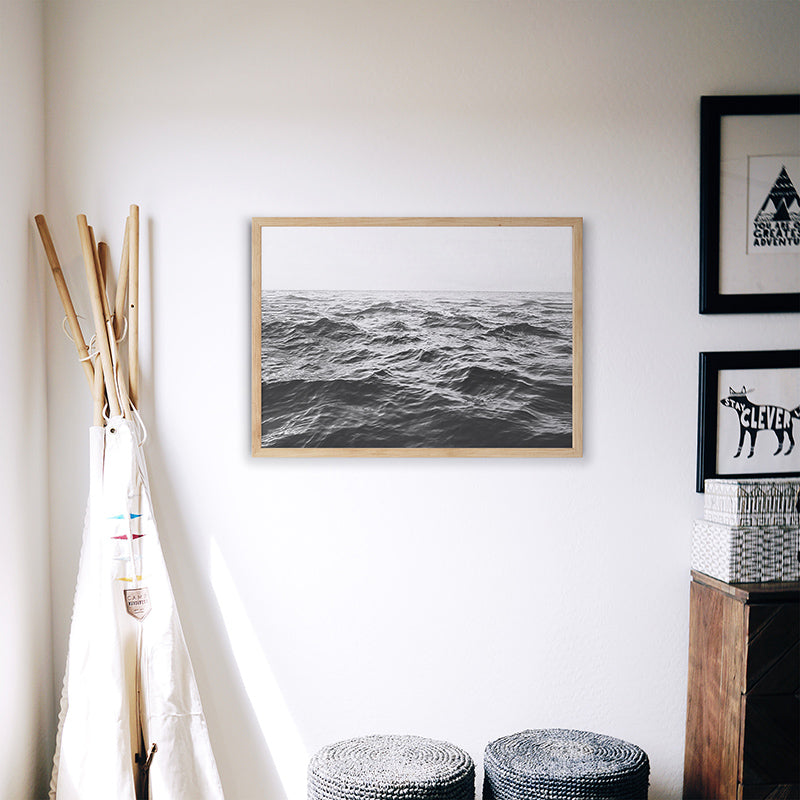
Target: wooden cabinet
743 709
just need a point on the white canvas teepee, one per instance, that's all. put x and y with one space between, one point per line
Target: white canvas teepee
131 725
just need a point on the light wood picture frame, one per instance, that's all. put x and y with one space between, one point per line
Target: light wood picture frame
417 336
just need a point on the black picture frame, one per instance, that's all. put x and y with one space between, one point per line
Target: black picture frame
711 364
712 110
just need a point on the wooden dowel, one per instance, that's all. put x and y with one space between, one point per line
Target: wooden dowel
101 333
103 268
124 399
122 283
99 396
133 306
119 313
104 254
99 392
66 300
103 260
94 247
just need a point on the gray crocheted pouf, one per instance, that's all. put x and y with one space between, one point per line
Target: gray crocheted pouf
391 768
561 765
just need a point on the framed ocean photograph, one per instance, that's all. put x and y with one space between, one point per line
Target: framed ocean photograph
749 204
404 336
749 415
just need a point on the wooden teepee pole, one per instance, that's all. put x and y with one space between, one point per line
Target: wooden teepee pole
133 306
99 378
100 327
122 282
104 257
102 273
98 396
66 300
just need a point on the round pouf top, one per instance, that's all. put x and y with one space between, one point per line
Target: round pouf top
558 764
391 768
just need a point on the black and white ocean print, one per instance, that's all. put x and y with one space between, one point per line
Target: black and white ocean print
383 369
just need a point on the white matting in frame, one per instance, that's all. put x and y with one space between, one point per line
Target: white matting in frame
758 153
771 396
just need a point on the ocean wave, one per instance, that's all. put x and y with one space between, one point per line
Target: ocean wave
522 329
415 370
486 380
379 309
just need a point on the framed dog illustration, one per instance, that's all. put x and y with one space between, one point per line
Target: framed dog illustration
749 415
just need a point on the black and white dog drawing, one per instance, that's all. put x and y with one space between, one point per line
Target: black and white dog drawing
754 418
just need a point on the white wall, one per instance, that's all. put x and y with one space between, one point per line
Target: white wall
26 674
459 599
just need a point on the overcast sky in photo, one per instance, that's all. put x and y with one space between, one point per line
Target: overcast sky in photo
424 258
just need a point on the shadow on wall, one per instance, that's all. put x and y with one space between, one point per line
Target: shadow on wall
273 764
277 726
246 764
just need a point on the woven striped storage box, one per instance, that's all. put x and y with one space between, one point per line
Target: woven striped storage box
762 501
558 764
746 554
391 768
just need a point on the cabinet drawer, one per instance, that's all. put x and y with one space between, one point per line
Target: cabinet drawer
771 752
773 649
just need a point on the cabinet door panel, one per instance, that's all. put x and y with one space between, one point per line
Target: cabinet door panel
773 649
771 739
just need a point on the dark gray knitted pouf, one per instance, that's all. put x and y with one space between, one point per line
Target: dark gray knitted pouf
560 764
391 768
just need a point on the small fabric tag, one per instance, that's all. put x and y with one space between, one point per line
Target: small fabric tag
137 602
